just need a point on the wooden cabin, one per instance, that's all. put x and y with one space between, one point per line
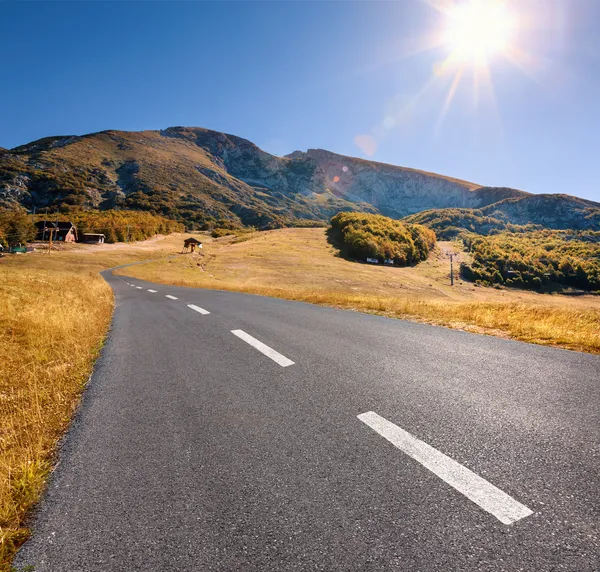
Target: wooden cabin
66 231
191 244
59 231
93 238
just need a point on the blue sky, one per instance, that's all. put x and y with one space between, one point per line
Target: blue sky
298 75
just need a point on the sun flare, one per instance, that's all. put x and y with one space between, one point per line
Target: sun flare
478 30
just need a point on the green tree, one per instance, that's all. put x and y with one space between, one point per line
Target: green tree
16 226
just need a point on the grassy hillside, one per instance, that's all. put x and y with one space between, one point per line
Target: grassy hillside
52 323
169 172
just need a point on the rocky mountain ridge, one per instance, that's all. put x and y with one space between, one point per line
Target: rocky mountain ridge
205 177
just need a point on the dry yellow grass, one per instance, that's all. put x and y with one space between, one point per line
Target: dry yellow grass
51 327
299 264
54 312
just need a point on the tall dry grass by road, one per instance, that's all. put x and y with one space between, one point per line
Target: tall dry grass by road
54 313
51 327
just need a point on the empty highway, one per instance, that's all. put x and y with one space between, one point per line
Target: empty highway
224 431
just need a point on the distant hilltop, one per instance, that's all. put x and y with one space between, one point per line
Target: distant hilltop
203 177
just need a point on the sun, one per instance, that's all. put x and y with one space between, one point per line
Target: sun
477 30
471 39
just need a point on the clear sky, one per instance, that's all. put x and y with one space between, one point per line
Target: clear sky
369 79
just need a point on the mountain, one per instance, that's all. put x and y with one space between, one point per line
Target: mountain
205 177
550 211
516 214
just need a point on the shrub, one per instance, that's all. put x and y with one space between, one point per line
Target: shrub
361 236
219 232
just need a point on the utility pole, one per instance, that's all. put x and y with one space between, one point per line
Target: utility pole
451 270
50 243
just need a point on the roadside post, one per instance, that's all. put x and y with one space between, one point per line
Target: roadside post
50 242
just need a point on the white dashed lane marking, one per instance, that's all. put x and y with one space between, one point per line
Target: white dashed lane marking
198 309
490 498
170 297
139 287
153 291
269 352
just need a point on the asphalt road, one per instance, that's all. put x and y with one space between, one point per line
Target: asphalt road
197 448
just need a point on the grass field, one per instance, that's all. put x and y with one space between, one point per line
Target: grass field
55 311
299 264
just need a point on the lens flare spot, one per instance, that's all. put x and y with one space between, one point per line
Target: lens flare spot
345 169
367 144
336 179
389 122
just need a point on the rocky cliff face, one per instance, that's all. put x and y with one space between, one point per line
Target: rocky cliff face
206 177
393 191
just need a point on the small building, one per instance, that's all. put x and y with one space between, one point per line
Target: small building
93 238
61 230
66 231
191 243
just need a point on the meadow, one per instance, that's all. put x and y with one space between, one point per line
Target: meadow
300 264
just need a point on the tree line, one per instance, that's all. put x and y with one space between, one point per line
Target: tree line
122 226
535 259
17 226
450 223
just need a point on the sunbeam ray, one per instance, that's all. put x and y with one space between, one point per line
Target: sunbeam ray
449 97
